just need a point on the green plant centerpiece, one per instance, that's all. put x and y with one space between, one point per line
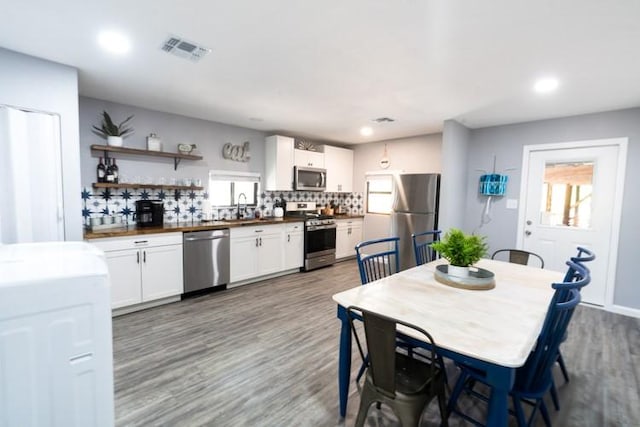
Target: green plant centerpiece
461 250
112 132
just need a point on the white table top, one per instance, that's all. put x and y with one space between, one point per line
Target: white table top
499 325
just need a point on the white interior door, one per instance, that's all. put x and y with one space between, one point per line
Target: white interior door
572 197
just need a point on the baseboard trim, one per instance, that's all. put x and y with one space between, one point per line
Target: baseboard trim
627 311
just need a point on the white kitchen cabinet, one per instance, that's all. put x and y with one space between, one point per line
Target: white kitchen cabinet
306 158
348 235
255 251
143 268
293 245
278 155
339 165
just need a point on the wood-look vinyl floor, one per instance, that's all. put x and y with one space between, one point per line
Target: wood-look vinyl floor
266 355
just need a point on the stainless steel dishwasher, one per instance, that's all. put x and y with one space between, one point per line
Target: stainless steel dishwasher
205 259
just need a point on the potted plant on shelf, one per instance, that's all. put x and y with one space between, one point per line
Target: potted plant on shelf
461 250
113 133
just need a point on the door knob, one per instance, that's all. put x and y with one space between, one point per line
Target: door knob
527 233
529 222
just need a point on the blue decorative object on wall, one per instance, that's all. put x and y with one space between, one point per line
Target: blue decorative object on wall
493 184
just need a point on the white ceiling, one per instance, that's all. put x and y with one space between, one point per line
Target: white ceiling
323 69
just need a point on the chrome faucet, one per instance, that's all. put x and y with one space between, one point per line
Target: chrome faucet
244 209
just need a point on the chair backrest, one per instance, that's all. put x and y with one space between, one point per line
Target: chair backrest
578 276
380 334
536 372
376 265
584 255
422 246
518 256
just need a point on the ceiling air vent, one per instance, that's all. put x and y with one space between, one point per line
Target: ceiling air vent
178 46
383 120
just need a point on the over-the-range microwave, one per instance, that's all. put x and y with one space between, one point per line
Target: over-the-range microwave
309 179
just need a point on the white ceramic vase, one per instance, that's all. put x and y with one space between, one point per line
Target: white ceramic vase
114 141
454 270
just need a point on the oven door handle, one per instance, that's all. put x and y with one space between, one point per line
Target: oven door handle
321 227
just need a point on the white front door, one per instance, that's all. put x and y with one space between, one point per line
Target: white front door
572 196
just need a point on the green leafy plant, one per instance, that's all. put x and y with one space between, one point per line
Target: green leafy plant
109 128
460 249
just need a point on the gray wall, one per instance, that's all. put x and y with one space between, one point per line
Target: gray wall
172 129
37 84
453 188
506 143
412 155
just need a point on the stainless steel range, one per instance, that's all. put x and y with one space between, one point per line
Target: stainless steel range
319 235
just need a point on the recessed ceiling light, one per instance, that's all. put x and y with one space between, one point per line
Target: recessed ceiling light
114 42
546 85
366 131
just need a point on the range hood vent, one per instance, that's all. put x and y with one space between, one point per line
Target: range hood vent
183 48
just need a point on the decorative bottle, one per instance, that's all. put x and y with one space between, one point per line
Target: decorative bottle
101 171
109 174
114 171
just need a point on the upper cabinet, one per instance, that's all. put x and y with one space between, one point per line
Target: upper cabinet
281 156
312 159
339 163
278 155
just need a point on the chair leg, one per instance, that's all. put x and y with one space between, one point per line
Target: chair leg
366 399
563 368
545 413
517 407
457 389
444 414
554 395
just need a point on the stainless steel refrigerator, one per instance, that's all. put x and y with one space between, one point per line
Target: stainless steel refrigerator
415 209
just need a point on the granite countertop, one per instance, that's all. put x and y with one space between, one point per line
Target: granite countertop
133 230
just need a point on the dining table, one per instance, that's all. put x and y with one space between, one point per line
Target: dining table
491 330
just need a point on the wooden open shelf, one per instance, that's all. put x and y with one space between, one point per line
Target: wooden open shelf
123 150
151 186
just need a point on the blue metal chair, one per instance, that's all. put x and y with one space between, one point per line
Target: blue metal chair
422 246
534 379
584 255
382 263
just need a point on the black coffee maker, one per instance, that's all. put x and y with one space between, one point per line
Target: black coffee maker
149 213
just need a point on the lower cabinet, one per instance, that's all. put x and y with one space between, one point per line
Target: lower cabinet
293 246
143 268
258 251
348 235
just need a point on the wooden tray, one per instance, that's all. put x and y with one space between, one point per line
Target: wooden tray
479 279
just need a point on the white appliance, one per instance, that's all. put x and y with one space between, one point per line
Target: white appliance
56 361
30 176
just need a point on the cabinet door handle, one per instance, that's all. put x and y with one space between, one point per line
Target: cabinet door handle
256 242
260 241
288 237
138 257
137 242
144 256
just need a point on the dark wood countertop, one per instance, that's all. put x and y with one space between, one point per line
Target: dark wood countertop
133 230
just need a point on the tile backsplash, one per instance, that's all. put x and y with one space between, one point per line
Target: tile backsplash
189 205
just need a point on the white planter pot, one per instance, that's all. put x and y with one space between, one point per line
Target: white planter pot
114 141
454 270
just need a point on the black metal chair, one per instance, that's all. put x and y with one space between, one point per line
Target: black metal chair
381 263
518 256
422 246
404 383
